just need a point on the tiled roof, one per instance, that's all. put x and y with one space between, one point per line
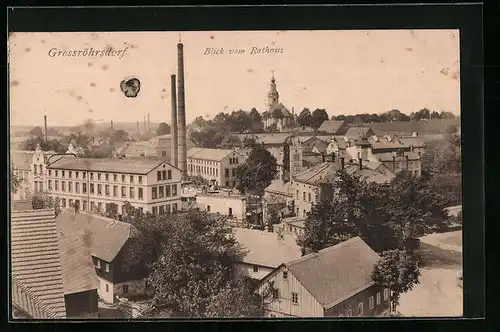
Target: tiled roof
322 173
279 187
336 273
278 138
356 131
331 126
105 236
77 266
284 110
265 248
211 154
127 165
434 126
372 171
35 257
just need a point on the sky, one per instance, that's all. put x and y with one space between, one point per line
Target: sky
342 71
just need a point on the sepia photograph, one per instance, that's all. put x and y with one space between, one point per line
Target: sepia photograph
266 174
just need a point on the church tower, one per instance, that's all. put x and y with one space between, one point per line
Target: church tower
295 156
272 96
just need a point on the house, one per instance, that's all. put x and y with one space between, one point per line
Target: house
30 166
313 145
291 225
334 282
333 127
217 166
234 206
79 276
158 146
37 277
95 184
264 252
108 240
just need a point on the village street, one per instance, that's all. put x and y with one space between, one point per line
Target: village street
439 292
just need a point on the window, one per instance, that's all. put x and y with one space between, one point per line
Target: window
154 192
107 288
140 193
174 190
106 189
161 192
63 173
107 264
124 191
77 174
70 186
162 209
125 288
255 269
99 208
92 175
155 210
70 174
167 191
304 196
169 175
360 308
174 207
115 177
349 312
123 178
371 302
57 173
298 194
378 298
115 191
84 205
386 294
50 184
63 202
106 176
168 208
131 179
164 175
227 172
98 176
309 198
77 187
91 188
140 179
208 208
132 192
56 185
99 189
63 185
230 212
285 275
97 263
158 175
84 175
50 172
70 203
295 298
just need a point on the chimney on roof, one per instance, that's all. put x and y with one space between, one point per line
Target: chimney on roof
342 162
45 127
174 132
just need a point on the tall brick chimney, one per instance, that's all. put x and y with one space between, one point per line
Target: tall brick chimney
173 125
181 113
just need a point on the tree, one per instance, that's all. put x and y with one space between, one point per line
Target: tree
15 181
230 142
273 128
192 276
326 225
239 122
111 210
44 201
162 129
305 118
318 117
257 126
435 115
446 115
118 137
257 172
248 142
424 113
398 271
339 117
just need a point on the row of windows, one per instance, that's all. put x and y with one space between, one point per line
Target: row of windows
95 175
164 191
233 160
164 209
164 175
371 304
203 161
306 197
99 189
212 171
38 169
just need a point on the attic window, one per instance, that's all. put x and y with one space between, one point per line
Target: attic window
285 275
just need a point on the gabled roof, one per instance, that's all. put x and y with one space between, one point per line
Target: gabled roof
211 154
336 273
331 126
142 165
279 187
265 248
357 131
105 236
322 173
77 266
282 108
36 261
